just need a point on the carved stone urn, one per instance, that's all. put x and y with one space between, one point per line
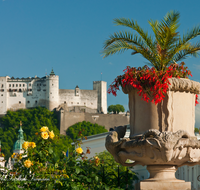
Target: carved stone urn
161 136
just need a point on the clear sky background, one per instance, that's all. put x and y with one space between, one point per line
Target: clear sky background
68 36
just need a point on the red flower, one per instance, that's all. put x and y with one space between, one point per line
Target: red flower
147 80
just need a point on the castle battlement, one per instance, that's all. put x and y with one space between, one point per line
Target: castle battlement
22 93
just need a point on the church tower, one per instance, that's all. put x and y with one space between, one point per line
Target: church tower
18 144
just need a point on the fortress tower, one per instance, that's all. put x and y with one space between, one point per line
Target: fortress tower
101 87
52 93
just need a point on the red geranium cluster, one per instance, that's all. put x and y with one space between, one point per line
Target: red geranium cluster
149 81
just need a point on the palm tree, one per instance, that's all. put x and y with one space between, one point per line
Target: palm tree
162 49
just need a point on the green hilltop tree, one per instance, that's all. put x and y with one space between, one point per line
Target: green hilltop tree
84 128
116 108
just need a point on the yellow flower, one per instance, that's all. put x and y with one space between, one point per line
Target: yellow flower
79 150
44 135
44 129
32 145
20 156
97 160
25 145
51 134
13 155
28 163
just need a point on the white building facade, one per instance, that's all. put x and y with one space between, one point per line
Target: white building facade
21 93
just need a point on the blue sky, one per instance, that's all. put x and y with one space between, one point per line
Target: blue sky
68 36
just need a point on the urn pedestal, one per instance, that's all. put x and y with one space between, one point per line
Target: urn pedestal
161 136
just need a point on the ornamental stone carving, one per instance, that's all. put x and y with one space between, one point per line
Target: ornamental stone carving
154 148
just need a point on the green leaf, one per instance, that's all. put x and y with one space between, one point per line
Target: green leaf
50 187
96 178
89 180
78 170
50 150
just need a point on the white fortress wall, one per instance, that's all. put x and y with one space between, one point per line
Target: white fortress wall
87 98
26 93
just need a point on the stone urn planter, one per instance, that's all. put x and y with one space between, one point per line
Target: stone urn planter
176 112
161 136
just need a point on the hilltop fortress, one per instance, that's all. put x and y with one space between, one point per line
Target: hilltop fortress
21 93
71 106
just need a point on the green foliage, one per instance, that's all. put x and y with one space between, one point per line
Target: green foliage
196 130
50 170
116 108
84 128
115 173
160 49
32 121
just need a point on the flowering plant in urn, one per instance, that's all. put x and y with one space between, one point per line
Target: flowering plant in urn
161 97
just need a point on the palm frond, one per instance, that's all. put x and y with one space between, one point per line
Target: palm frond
134 25
184 53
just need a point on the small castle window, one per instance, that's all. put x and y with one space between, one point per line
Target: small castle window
9 85
2 90
52 84
19 85
44 90
23 85
1 94
16 85
2 102
77 102
20 90
36 101
10 90
29 84
2 86
91 103
19 102
13 85
71 102
84 103
64 102
28 102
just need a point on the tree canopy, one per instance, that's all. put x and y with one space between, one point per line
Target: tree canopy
32 121
86 129
116 108
163 48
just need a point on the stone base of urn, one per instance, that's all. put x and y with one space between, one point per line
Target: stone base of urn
162 152
144 185
162 177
